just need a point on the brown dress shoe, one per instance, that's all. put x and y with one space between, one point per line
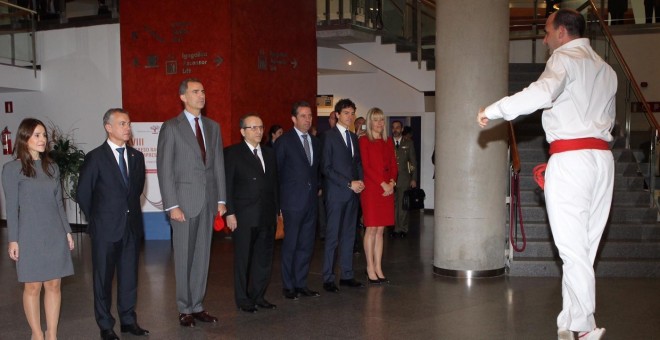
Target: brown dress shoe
204 316
186 320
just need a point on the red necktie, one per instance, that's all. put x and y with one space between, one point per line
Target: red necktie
200 139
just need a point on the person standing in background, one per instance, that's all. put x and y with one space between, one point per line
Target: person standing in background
380 173
109 188
406 177
191 177
298 157
39 233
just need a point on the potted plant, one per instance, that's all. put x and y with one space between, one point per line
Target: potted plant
69 158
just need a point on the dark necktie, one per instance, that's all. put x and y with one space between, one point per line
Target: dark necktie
200 139
308 151
256 155
348 141
122 166
397 144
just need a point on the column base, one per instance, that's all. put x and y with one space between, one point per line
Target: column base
468 273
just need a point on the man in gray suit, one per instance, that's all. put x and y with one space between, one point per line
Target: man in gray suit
407 163
192 184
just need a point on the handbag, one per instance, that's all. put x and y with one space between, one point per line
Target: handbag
279 230
413 199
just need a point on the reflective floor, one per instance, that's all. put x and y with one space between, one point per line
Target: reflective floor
416 305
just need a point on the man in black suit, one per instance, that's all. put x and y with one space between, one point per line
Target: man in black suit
252 207
298 158
342 170
109 188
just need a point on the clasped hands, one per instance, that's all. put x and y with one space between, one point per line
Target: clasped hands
388 188
357 186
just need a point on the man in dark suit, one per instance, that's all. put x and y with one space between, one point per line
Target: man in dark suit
342 170
109 188
298 157
191 177
252 207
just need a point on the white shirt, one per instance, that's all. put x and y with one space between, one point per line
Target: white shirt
309 139
191 121
114 147
342 130
576 90
261 156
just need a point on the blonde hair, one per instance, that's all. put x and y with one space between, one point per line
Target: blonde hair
373 113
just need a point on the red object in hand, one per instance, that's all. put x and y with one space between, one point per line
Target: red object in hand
219 223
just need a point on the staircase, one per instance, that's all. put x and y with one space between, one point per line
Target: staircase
630 246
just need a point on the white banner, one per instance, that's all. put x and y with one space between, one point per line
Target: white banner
145 139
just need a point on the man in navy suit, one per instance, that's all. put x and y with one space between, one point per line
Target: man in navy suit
109 188
252 207
298 157
342 170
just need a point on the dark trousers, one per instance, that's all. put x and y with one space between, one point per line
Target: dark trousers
648 12
340 235
121 255
253 262
298 245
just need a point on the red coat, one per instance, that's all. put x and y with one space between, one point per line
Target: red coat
379 165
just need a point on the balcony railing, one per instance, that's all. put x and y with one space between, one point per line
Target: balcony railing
17 36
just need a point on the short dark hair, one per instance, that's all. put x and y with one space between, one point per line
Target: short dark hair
572 20
184 84
241 122
397 121
344 103
297 105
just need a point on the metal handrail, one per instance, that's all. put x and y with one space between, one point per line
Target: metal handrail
33 30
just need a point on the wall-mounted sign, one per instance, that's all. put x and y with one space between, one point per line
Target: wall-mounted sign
9 107
324 101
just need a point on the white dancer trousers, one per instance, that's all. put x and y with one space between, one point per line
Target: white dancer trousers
578 196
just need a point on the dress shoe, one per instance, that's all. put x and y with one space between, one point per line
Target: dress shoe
204 316
186 320
266 305
383 280
351 283
290 294
394 234
403 234
307 292
247 308
134 329
109 334
330 287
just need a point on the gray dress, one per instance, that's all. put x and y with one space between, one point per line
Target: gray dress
37 221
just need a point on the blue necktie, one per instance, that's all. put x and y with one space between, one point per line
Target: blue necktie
348 142
122 166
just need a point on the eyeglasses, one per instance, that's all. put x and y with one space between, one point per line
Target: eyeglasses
254 128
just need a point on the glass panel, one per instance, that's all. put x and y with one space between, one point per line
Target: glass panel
16 44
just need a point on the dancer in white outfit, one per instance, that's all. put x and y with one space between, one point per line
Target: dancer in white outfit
576 91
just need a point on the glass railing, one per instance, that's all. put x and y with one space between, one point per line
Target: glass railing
17 36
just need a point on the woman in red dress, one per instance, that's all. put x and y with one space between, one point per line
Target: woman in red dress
380 171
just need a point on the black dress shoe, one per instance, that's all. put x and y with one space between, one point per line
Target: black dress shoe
330 287
109 334
134 329
384 280
394 234
403 234
186 320
351 283
373 282
290 294
266 305
204 316
307 292
247 308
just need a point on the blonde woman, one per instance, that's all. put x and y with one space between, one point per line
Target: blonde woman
380 172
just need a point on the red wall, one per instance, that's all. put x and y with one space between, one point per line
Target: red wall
257 42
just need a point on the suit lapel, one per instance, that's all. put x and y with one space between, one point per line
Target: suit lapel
301 149
251 159
109 158
188 135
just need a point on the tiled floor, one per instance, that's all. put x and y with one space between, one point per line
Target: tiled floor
416 305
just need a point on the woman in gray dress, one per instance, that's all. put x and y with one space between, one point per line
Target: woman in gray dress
39 233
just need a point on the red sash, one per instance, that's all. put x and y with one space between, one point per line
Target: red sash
563 145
